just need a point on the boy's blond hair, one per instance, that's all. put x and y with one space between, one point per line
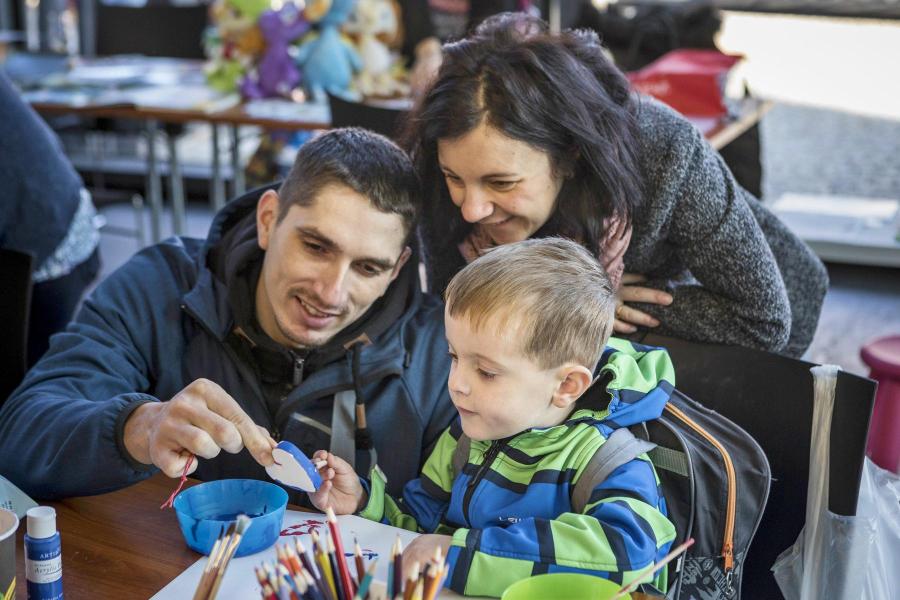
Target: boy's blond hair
550 292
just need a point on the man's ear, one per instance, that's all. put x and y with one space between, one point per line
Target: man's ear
266 217
404 256
574 380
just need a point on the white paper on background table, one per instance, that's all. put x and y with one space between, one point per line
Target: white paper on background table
240 579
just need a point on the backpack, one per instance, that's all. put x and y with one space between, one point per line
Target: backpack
715 480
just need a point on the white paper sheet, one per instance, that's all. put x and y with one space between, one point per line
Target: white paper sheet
240 581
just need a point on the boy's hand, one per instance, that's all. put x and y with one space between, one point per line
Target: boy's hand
340 489
421 550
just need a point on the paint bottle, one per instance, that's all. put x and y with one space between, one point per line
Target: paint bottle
43 560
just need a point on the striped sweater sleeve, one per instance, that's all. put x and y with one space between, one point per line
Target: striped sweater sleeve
619 532
425 499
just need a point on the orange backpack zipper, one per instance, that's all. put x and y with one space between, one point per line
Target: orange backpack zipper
728 543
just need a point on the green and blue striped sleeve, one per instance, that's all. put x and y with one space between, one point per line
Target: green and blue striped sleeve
425 499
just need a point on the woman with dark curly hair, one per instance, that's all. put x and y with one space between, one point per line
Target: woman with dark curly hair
528 134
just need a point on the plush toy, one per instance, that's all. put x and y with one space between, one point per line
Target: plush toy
376 24
327 60
276 74
232 42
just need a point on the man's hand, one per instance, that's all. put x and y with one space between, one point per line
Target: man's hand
202 419
422 549
340 489
627 317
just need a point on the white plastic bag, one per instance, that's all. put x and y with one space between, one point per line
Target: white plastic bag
835 556
879 500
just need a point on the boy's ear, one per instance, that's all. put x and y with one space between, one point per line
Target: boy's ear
574 380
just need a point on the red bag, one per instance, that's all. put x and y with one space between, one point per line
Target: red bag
690 81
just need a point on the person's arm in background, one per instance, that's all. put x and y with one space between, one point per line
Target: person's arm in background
63 431
805 277
694 209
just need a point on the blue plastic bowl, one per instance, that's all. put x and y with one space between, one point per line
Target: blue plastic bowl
206 510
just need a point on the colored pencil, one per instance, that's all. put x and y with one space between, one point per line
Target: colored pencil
324 567
366 581
346 581
390 572
417 590
360 565
411 582
344 592
397 558
284 576
315 592
308 564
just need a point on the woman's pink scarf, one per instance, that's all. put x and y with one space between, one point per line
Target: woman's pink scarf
612 246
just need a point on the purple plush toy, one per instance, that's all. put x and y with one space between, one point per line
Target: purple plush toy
276 74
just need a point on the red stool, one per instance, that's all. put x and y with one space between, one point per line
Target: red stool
883 357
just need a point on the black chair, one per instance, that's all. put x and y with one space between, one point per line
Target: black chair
771 397
369 115
15 303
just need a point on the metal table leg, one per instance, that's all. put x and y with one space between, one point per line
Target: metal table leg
154 185
554 17
218 186
237 173
176 186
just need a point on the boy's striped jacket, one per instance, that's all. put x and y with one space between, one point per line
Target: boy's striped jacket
510 510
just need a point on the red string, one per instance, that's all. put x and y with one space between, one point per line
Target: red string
168 503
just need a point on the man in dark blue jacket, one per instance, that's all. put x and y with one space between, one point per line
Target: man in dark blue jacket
300 317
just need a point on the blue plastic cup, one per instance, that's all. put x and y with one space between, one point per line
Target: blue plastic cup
206 510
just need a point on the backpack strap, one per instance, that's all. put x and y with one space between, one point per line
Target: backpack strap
461 454
619 448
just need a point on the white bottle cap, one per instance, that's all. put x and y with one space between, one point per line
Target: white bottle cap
41 522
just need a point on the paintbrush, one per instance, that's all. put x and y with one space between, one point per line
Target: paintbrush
627 589
215 556
241 525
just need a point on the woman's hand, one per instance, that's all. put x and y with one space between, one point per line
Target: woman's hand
422 549
627 317
340 489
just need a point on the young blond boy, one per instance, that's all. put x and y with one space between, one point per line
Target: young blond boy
527 328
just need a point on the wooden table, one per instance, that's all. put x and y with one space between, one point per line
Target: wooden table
118 545
121 545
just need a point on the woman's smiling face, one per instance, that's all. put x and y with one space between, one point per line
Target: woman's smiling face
504 186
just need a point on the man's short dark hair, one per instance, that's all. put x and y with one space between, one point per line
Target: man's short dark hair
366 162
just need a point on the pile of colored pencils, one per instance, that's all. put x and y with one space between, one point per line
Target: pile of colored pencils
322 574
219 557
421 583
